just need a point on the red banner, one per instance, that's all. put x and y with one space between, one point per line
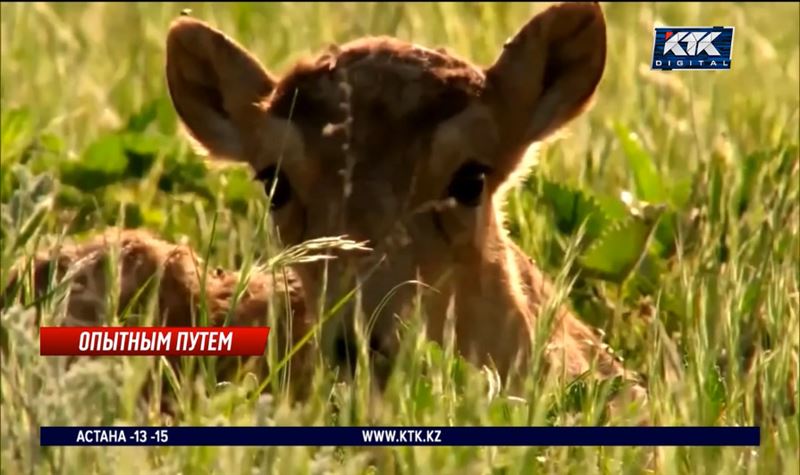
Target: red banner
153 341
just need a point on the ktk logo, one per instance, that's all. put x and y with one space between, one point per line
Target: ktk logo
696 43
692 48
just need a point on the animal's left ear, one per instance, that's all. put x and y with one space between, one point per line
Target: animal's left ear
547 73
215 86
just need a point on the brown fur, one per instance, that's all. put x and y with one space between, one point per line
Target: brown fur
177 273
369 135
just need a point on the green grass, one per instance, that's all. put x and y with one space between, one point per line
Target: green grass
710 159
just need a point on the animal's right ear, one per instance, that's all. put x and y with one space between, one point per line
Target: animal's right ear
546 74
215 85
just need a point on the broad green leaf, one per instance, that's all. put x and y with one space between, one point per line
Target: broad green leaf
616 253
158 111
645 174
141 151
185 173
16 129
71 197
139 121
238 188
612 207
572 207
681 192
103 163
646 278
666 234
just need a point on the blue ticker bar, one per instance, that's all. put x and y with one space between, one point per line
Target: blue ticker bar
401 436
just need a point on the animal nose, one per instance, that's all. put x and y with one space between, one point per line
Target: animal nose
369 211
345 352
346 349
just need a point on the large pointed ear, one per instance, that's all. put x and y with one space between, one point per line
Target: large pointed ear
547 73
215 85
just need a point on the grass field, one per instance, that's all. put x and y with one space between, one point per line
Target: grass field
89 139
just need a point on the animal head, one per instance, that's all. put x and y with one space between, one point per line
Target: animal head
388 142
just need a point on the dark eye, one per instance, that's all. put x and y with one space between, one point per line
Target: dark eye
283 191
467 184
